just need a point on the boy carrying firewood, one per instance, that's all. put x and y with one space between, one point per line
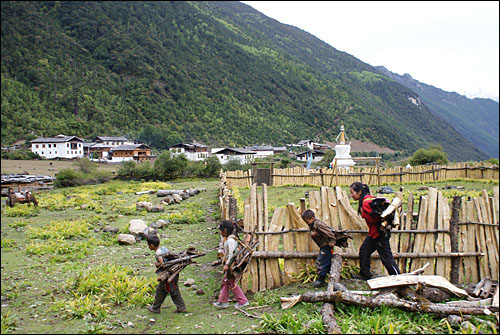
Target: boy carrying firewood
326 238
164 286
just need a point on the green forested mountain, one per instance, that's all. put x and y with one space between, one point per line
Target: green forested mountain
219 72
476 119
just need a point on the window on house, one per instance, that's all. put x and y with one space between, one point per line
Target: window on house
37 146
43 145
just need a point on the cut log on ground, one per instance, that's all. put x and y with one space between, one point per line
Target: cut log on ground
328 309
405 280
441 310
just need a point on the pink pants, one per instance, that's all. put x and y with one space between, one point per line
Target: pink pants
230 284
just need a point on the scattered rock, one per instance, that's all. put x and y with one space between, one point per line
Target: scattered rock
385 190
194 287
97 230
83 206
468 327
144 233
157 208
423 188
119 192
162 223
137 226
110 229
184 195
144 204
152 320
126 239
189 282
152 231
200 292
130 324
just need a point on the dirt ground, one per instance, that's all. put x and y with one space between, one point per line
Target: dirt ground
44 167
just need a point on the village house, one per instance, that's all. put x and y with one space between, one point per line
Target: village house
112 141
316 155
129 152
100 148
61 146
261 151
192 150
226 154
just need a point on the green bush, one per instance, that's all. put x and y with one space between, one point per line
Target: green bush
69 177
21 154
433 154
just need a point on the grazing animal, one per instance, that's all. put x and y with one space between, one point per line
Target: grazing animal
22 198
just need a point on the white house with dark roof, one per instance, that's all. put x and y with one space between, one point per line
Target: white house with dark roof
192 150
261 151
61 146
226 154
112 141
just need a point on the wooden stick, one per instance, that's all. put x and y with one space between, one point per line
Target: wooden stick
328 309
311 255
247 314
442 310
454 233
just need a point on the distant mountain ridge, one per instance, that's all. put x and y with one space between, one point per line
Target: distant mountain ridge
476 119
218 72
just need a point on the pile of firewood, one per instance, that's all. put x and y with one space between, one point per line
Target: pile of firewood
397 292
176 263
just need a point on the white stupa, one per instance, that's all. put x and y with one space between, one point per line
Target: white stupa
342 152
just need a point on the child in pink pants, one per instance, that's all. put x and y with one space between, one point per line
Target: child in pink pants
230 246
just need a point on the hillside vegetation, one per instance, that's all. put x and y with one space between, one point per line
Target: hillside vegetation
476 119
219 72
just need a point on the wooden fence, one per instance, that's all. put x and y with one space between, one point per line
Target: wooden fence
328 177
426 236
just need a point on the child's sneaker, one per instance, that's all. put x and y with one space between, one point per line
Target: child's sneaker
237 305
221 305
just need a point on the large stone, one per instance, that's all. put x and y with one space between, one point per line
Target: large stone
144 233
144 204
110 229
137 226
184 195
126 239
157 208
191 192
177 198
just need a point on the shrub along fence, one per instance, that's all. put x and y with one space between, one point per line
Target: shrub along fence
460 243
368 175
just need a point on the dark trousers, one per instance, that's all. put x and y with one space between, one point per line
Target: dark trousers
324 260
381 244
163 289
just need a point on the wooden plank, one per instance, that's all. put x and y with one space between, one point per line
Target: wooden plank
439 246
463 242
489 233
302 239
496 196
405 239
260 224
325 212
288 246
333 209
471 265
407 279
315 204
483 265
418 245
431 224
273 244
447 240
265 209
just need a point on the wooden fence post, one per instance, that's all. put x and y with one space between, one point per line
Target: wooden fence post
454 232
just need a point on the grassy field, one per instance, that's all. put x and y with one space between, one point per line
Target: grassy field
43 167
62 274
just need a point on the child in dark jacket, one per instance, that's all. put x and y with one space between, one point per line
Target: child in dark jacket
325 238
376 240
164 287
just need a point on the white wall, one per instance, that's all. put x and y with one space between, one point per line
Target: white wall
192 156
57 150
243 158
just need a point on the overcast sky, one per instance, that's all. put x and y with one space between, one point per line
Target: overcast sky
451 45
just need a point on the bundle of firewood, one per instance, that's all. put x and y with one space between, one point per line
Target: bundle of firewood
176 263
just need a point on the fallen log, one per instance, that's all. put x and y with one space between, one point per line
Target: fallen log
406 280
328 309
441 310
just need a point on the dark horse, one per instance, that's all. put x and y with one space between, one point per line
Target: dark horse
22 198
